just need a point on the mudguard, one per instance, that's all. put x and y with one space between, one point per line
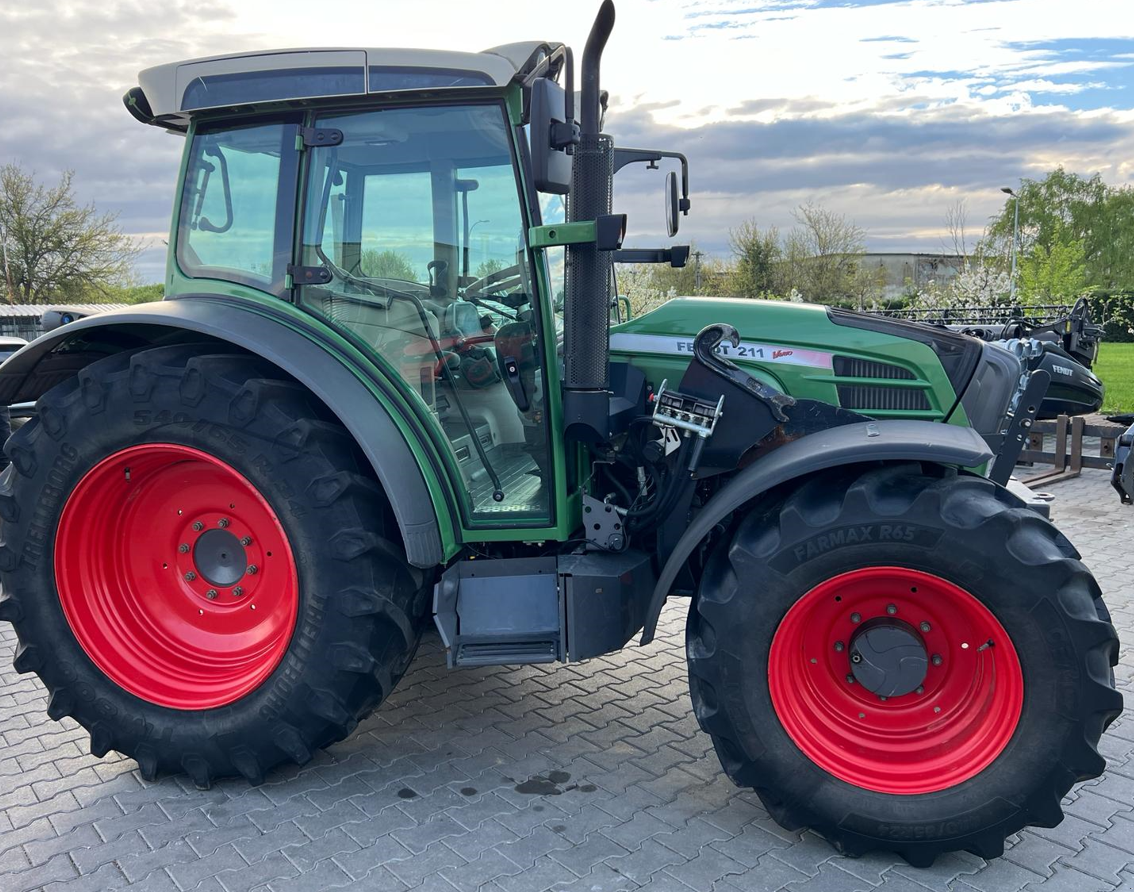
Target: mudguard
56 356
896 440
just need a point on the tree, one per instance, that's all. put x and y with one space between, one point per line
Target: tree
1053 275
822 255
57 249
488 267
756 255
1064 208
387 264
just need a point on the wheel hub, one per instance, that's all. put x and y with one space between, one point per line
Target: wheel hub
895 680
888 657
220 557
189 598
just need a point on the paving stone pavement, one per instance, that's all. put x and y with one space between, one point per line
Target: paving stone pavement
624 790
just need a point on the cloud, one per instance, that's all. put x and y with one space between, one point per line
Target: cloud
887 110
67 67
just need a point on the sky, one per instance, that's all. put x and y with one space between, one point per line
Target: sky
888 111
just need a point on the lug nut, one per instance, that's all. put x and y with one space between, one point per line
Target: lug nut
183 548
856 617
211 594
925 627
920 689
223 522
839 647
850 679
238 591
891 609
198 526
253 569
190 576
937 660
246 541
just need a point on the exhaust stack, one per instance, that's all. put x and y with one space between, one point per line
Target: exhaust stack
587 335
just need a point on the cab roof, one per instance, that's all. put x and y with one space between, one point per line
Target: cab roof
168 95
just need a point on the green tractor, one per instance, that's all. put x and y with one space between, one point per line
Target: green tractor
363 409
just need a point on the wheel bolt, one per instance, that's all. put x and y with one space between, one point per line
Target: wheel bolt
238 591
223 522
883 699
850 679
920 689
183 548
925 627
937 660
253 569
190 576
246 541
839 647
891 609
855 617
211 594
198 526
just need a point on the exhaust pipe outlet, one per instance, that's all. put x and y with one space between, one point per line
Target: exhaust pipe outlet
586 343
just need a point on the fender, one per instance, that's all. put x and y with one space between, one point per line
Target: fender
48 360
896 440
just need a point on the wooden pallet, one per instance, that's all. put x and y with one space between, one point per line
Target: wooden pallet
1067 457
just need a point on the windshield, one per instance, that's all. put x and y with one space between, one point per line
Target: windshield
416 221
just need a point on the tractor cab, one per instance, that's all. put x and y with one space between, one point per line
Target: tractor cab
385 193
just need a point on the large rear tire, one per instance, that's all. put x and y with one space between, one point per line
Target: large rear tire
197 567
903 659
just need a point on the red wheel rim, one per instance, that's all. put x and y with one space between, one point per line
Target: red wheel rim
176 576
919 742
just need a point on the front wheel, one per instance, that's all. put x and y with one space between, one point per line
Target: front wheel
903 660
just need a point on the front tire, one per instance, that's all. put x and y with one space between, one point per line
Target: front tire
196 565
999 679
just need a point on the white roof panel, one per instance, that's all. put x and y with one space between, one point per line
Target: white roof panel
319 72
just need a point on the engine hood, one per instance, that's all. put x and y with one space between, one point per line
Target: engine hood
878 366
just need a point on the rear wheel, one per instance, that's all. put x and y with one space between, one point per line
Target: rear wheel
903 661
196 565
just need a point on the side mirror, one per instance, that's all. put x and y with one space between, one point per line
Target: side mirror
672 204
551 165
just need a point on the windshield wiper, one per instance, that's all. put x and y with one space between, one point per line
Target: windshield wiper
393 293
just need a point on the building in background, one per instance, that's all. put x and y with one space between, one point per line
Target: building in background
902 272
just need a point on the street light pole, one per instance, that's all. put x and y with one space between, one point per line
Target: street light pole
1015 242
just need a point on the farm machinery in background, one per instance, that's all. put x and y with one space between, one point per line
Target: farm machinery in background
1060 340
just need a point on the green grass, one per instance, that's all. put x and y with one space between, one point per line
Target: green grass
1115 367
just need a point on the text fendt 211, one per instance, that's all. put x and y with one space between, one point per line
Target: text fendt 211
384 391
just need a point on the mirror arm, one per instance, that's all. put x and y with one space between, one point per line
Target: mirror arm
650 157
676 256
560 61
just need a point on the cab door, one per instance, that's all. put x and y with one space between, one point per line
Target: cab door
417 228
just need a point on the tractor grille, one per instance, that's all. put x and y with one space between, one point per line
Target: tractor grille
849 367
873 397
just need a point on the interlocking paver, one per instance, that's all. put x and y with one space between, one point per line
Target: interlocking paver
646 805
